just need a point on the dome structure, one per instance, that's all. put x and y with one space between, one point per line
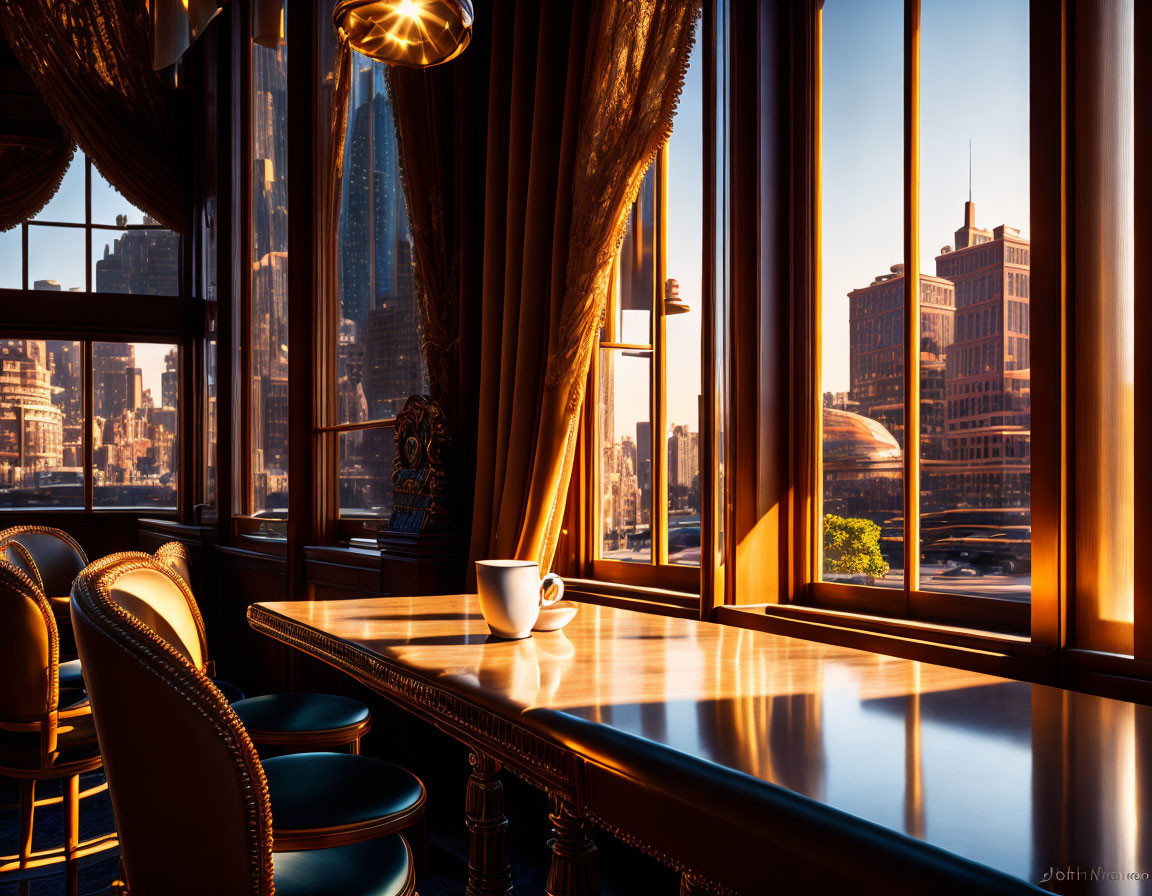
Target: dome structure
855 439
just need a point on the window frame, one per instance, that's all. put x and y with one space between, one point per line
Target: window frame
658 572
82 317
1047 98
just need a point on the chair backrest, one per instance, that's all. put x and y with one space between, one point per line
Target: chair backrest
175 556
58 557
188 791
29 650
15 553
159 598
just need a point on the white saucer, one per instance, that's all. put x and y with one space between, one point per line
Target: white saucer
556 616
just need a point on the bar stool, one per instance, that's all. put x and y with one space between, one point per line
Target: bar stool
46 732
279 721
322 798
191 796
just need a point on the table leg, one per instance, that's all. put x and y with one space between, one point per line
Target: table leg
573 871
488 871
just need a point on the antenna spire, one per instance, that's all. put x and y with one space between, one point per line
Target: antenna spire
969 169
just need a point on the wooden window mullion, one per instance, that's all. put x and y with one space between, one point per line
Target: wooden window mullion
911 299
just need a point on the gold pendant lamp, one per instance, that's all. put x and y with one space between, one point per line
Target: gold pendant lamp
411 33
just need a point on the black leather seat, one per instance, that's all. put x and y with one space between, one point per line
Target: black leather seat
191 796
231 693
320 720
372 868
344 796
71 675
280 721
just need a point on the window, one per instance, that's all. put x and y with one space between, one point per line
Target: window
90 425
135 422
130 428
378 353
924 462
647 374
89 238
267 317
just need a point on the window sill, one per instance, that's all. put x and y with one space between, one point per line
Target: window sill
1010 656
663 601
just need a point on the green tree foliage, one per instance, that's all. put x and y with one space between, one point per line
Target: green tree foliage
852 546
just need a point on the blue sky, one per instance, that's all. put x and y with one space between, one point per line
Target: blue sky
974 86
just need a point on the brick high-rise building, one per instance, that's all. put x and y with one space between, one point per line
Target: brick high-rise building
876 346
988 374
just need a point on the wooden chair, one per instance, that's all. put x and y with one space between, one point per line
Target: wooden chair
46 732
279 721
319 799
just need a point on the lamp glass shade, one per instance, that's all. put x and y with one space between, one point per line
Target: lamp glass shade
410 33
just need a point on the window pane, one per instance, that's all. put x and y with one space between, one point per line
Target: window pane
11 272
269 321
143 262
56 258
625 474
136 415
41 423
67 206
637 268
683 240
366 458
109 207
862 290
380 358
974 302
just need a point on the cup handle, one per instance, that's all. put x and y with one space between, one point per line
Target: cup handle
551 579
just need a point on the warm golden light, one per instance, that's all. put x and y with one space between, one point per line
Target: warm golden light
411 33
410 10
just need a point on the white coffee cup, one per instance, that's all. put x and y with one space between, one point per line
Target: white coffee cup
512 593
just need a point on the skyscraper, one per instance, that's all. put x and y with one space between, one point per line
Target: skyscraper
988 376
142 262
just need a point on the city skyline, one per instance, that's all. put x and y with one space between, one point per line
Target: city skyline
134 432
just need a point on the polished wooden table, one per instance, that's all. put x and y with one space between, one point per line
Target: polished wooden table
753 762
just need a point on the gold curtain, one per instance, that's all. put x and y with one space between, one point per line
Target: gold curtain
635 72
29 178
590 101
91 60
520 160
35 151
